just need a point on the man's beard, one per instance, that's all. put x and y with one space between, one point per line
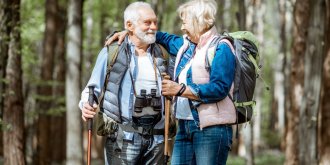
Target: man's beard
148 37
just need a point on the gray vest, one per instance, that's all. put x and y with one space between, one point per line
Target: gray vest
110 103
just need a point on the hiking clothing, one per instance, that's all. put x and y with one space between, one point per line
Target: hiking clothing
209 146
207 138
216 84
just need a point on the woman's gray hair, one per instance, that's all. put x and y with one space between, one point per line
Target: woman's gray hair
202 14
131 12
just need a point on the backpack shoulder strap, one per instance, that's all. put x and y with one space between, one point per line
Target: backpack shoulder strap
112 51
210 53
112 55
213 47
164 52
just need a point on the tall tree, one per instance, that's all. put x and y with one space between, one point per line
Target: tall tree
45 89
58 120
241 15
13 115
159 7
280 75
220 15
310 104
324 138
5 16
246 140
73 114
301 16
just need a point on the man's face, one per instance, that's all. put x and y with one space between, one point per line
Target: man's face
146 26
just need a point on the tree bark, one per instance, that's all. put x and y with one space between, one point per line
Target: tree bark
5 16
159 7
241 15
258 29
310 104
324 143
44 101
281 76
301 17
74 152
220 15
13 116
58 126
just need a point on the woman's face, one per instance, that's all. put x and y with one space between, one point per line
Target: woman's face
188 28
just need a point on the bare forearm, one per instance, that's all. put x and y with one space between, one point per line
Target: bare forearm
171 88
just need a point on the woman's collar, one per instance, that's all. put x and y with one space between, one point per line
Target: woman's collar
204 38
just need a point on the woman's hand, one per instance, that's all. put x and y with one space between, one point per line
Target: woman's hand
119 35
170 88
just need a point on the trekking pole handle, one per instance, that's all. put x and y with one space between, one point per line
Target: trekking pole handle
90 102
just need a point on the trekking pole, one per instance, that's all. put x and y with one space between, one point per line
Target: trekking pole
90 125
167 124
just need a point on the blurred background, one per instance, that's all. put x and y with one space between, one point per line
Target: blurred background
48 49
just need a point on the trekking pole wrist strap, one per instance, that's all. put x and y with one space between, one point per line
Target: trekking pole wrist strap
183 88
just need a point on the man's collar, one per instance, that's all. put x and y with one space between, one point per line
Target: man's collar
132 45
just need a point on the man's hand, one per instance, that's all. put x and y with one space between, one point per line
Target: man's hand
88 111
119 35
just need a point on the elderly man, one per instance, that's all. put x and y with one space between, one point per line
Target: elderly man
132 106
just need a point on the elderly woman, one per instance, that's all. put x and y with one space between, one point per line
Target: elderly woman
203 108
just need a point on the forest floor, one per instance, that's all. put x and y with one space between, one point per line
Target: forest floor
269 157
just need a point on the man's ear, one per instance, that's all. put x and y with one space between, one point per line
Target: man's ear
130 26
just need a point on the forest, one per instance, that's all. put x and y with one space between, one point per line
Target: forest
48 49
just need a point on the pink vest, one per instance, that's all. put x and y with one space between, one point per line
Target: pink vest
222 112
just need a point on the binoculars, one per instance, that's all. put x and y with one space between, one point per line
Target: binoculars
143 100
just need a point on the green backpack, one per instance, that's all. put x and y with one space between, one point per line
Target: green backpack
247 69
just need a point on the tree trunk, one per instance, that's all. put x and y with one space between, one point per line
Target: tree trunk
241 15
5 16
249 143
89 55
324 144
74 152
58 126
104 29
45 90
159 7
258 29
301 17
13 116
280 74
310 104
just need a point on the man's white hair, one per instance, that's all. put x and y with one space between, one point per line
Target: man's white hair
201 13
131 12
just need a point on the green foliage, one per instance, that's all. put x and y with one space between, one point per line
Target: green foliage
273 158
32 28
5 126
235 160
273 139
57 111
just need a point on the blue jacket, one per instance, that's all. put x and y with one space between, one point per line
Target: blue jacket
222 72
